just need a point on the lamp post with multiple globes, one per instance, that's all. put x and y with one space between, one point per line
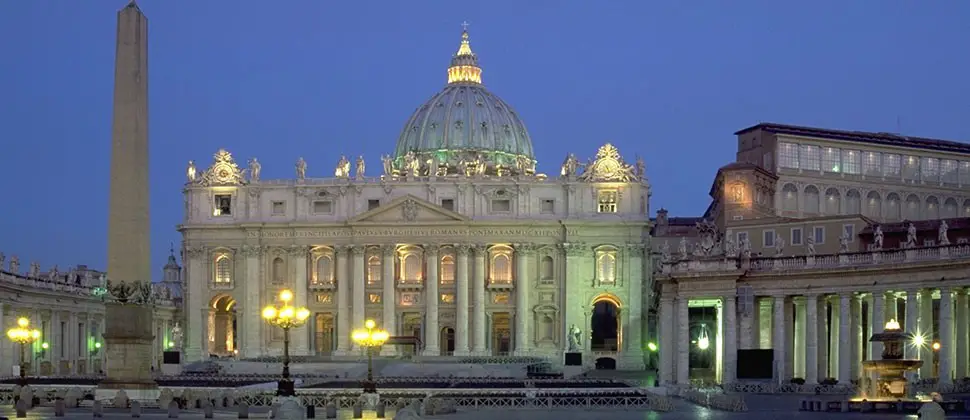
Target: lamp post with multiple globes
371 339
286 317
23 335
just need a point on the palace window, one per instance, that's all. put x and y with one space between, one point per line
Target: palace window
796 236
930 169
323 269
769 238
448 203
223 269
373 270
606 267
278 271
546 270
374 298
849 232
222 205
831 160
606 201
547 206
852 162
373 204
809 158
964 172
447 271
500 269
910 168
788 155
891 165
872 164
948 171
279 208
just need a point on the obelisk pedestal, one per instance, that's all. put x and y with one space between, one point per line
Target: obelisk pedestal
128 331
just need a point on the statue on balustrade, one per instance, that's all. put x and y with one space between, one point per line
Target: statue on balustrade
730 248
575 338
570 165
843 243
779 246
343 168
361 168
665 251
682 248
177 336
300 169
3 258
254 170
745 248
14 264
35 269
911 236
190 172
877 239
388 163
810 244
942 238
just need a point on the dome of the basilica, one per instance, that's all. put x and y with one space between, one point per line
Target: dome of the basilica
464 128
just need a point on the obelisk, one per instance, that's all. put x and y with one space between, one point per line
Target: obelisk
128 331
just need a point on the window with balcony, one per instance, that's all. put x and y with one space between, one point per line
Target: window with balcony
606 201
606 266
323 270
788 155
447 272
546 270
223 269
373 270
411 267
500 268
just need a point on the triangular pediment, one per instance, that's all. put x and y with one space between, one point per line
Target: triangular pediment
408 209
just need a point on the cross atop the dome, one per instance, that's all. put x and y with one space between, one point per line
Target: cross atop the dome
464 25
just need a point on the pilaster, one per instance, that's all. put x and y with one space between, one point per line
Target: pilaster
301 335
523 345
195 335
633 348
251 326
800 332
877 322
666 319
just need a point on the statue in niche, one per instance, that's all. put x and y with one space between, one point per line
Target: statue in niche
682 248
665 251
433 165
942 238
177 336
570 166
343 168
300 169
738 191
575 338
191 172
745 248
14 264
911 236
730 248
843 244
779 246
388 163
810 244
254 169
877 239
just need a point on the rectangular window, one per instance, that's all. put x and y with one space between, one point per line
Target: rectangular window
448 203
788 155
929 242
222 205
279 208
796 236
852 162
808 158
547 206
742 237
501 206
891 165
911 168
872 164
819 234
948 171
447 298
769 238
606 202
930 169
849 232
323 207
374 298
964 173
831 160
373 204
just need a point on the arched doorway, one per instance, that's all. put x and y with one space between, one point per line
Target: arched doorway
222 326
446 341
605 324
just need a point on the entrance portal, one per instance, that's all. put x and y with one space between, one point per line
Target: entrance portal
606 326
324 329
447 341
222 326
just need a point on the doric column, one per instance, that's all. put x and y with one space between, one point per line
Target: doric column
389 296
810 339
431 345
195 336
343 302
778 339
877 322
478 296
892 307
683 342
912 327
845 347
800 323
357 290
251 326
522 286
926 330
729 342
746 330
666 320
461 301
946 336
961 334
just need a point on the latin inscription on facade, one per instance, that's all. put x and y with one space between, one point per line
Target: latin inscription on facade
407 232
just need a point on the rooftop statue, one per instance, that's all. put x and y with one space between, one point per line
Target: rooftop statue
360 168
942 238
300 169
254 170
388 163
343 168
190 172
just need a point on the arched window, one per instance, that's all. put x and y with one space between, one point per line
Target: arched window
606 267
893 208
873 205
501 268
223 274
373 270
447 271
912 207
950 209
833 201
412 267
932 208
789 198
324 270
277 271
853 202
811 200
546 269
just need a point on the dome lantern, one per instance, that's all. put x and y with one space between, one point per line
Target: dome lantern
464 64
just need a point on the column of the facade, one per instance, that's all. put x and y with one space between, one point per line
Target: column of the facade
5 355
683 341
56 344
799 362
195 335
461 301
389 297
858 342
343 302
911 326
73 352
946 336
730 341
666 333
778 339
811 339
926 330
251 326
300 336
478 297
961 339
877 322
766 321
845 343
746 332
633 340
431 345
834 337
523 253
357 289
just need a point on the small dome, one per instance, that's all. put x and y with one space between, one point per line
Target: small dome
464 127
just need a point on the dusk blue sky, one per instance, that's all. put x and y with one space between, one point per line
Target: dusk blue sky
670 81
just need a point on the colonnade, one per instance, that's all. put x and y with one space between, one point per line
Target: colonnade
71 339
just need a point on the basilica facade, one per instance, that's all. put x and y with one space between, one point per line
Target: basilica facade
459 246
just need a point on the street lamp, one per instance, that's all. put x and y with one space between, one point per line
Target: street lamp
371 339
286 317
24 335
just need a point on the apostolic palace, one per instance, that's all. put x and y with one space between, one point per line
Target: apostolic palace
457 245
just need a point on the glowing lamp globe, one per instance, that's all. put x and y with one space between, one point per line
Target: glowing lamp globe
302 314
892 325
286 295
370 324
269 312
23 322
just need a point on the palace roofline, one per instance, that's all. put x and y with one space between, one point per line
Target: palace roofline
886 139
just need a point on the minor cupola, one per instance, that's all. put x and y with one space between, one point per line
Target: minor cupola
464 64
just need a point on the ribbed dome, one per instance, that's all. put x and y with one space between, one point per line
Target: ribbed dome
464 127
